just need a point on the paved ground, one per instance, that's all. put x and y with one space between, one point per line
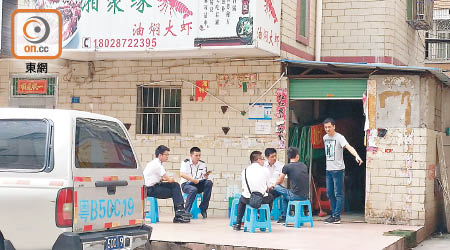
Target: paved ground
436 242
322 236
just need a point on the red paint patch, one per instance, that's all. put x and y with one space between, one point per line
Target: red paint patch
56 183
23 182
431 172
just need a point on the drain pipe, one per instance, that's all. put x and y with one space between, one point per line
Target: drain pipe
318 45
317 54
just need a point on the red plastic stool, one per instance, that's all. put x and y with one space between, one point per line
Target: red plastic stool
323 199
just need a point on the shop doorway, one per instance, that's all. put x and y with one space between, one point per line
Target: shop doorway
306 117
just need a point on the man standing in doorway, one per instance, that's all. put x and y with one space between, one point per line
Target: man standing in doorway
334 153
162 186
194 180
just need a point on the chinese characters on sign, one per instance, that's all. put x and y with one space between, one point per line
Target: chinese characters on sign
118 25
260 111
268 36
262 128
236 80
32 86
280 114
31 67
213 12
202 86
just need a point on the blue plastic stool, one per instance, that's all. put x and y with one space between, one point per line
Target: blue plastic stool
195 210
277 207
153 213
299 216
234 209
252 222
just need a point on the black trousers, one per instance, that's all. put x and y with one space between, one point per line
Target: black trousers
165 190
192 190
274 193
244 201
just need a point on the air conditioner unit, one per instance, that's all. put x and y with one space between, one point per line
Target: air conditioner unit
420 14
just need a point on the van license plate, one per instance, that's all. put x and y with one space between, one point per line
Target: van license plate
114 242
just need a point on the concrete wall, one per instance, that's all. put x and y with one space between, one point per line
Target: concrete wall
370 31
110 88
434 107
401 165
291 48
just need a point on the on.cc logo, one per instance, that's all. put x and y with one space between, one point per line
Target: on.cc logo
36 30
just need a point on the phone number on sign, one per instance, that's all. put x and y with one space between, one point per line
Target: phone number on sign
125 43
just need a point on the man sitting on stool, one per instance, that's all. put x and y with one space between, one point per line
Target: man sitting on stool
275 168
297 173
194 180
258 181
154 174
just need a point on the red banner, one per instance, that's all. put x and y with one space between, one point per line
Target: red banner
32 86
202 86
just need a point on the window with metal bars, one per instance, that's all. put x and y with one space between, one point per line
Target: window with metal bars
158 110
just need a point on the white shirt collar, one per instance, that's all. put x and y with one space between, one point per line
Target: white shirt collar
192 163
266 163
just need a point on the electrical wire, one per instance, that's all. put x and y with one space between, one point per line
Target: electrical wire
242 112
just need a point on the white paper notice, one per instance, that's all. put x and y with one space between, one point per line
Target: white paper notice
262 128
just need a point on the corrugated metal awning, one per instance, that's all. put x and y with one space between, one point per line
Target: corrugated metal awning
438 73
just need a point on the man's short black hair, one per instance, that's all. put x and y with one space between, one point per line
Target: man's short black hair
160 150
194 149
269 151
329 120
254 156
292 152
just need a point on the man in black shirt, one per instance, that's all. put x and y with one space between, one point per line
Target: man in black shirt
297 173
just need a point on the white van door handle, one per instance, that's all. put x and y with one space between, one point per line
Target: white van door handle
111 183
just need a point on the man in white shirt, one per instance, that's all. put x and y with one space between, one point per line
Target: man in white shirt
258 181
161 186
194 180
274 167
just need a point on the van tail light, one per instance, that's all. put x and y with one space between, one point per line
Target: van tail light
64 207
143 198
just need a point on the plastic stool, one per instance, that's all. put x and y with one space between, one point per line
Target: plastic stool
277 207
252 222
195 210
234 209
323 199
299 216
153 213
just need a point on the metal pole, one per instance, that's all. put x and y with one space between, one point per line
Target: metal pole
310 165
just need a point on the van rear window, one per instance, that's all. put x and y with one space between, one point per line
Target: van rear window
24 144
102 144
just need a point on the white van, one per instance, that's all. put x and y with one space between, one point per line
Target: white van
69 180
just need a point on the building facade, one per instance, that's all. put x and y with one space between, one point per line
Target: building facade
254 89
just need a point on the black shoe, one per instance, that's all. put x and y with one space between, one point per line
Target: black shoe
337 220
204 214
180 212
329 220
237 227
281 220
180 219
